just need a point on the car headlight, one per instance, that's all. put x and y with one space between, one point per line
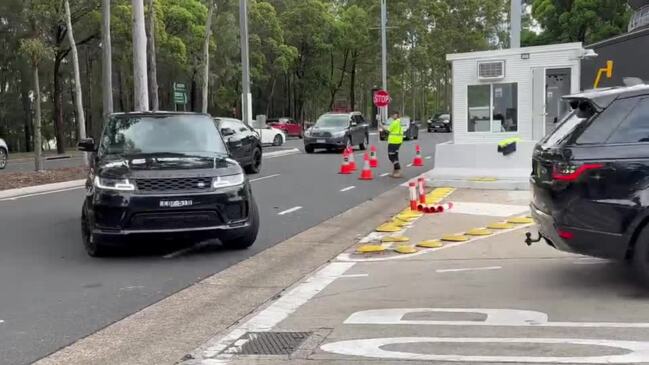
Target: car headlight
338 134
107 183
227 181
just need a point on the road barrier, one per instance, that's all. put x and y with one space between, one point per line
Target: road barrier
412 189
422 192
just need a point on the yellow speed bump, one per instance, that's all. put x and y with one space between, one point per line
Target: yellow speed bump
398 223
430 244
483 179
455 238
395 239
405 249
409 214
521 220
501 225
479 232
388 228
405 219
370 249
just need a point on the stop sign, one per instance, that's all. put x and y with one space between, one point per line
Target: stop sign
382 99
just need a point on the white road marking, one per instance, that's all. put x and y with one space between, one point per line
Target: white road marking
493 210
469 269
347 257
638 352
494 317
281 308
288 211
351 276
374 134
385 174
429 157
43 193
410 164
264 178
347 189
274 154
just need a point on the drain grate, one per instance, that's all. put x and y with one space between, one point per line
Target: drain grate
267 343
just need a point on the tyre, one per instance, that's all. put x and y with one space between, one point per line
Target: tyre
93 244
246 237
366 142
4 156
277 141
350 143
417 135
641 256
308 149
255 166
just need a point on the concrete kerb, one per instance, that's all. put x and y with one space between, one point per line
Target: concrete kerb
39 189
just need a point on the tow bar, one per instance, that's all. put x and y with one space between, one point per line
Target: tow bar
529 240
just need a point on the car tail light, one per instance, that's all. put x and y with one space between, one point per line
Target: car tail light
573 172
565 234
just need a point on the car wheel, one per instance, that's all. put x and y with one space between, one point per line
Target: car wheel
245 237
255 166
641 256
277 141
308 149
3 158
93 244
350 144
366 142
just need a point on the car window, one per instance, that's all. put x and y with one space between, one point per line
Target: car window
635 128
335 121
600 128
229 124
570 122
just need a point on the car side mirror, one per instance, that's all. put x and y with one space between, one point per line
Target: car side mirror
87 145
353 124
227 132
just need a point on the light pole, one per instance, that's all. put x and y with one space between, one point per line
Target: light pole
246 97
384 55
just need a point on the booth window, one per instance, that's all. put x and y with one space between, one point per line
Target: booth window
493 108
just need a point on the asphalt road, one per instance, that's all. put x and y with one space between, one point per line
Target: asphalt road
52 293
27 164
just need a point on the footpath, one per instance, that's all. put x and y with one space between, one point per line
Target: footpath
449 288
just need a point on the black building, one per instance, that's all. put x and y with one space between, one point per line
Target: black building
629 52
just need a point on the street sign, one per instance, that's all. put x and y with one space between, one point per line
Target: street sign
382 99
180 93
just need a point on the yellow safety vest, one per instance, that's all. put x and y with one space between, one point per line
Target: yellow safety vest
396 132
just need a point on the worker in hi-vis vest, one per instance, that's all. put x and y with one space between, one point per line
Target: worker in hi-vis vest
395 139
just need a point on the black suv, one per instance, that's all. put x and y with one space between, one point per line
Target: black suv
244 144
590 177
167 174
335 131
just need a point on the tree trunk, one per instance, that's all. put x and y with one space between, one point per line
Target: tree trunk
194 91
78 94
57 100
206 57
27 110
107 62
153 75
38 162
120 91
140 82
338 85
269 101
352 81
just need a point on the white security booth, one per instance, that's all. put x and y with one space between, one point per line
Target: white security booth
498 95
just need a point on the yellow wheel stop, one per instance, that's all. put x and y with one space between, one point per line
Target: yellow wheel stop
455 238
370 249
388 228
521 220
501 225
395 239
430 244
406 250
479 232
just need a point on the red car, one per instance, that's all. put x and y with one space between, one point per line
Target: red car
288 125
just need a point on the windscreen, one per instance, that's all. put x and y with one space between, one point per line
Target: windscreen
126 135
565 128
333 121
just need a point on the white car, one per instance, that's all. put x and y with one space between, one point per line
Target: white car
4 154
271 136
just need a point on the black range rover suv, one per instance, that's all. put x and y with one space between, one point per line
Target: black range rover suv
165 174
590 178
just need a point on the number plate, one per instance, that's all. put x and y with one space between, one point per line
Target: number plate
175 203
321 141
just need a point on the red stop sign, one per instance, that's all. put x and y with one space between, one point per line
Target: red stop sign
382 99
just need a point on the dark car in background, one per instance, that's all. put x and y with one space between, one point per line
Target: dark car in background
409 127
336 131
590 178
164 175
243 142
291 127
440 122
4 154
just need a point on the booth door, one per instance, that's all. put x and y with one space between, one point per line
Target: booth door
538 103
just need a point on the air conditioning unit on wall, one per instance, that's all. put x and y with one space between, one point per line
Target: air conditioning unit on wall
491 70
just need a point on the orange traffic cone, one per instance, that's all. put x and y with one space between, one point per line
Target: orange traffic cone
366 174
352 161
418 161
344 167
412 189
374 161
422 192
